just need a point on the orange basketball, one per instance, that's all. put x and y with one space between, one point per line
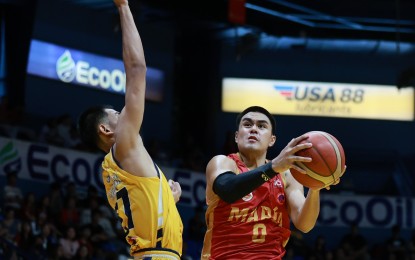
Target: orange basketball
328 161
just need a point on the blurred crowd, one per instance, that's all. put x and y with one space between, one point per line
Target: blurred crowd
70 223
63 224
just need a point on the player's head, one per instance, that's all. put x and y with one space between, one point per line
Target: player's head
257 109
93 124
256 128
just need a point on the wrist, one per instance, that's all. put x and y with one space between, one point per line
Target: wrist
267 171
313 191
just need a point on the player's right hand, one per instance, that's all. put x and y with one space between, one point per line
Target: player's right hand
287 157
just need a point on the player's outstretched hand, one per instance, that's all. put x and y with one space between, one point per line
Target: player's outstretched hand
119 3
176 189
287 157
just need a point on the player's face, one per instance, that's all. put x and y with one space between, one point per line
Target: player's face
255 132
112 118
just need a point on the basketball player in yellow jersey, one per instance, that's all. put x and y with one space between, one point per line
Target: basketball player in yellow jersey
136 188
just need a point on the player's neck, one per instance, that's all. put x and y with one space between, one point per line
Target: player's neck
252 160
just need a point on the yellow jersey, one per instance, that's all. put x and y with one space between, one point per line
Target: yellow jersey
147 211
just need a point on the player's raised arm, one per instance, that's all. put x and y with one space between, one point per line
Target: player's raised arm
136 188
131 116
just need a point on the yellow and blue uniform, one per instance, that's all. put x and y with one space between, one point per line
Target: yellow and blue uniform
147 211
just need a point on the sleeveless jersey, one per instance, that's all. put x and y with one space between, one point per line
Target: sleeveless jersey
146 209
256 226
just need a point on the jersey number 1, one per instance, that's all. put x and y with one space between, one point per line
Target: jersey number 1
123 194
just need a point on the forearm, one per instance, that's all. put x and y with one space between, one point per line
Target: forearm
133 53
231 187
135 69
308 214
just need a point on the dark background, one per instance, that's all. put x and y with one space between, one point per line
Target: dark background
195 44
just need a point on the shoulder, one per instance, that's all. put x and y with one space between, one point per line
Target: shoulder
109 160
220 157
217 165
220 160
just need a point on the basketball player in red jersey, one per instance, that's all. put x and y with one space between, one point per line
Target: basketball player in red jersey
250 199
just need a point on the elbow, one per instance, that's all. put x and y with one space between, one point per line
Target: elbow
226 196
305 228
228 199
135 65
136 70
138 67
225 188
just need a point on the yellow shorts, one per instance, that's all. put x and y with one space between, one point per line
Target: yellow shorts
154 255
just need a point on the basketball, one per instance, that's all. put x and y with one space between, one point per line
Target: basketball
328 161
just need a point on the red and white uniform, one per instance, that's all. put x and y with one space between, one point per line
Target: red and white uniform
254 227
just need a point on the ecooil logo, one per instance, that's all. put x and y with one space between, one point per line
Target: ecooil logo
81 72
10 160
65 67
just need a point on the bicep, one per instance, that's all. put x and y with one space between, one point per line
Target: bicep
128 129
218 165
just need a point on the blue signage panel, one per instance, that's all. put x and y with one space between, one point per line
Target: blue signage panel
86 69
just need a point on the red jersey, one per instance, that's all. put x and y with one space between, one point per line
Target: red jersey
256 226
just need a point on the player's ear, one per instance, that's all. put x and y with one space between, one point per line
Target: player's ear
104 129
273 139
236 137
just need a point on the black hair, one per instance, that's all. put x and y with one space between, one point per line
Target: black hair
259 110
88 123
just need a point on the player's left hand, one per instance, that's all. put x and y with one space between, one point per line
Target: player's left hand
176 189
338 180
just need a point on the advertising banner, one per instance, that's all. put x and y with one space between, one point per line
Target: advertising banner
86 69
319 98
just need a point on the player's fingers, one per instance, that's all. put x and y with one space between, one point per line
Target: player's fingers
334 183
177 186
300 138
171 184
300 170
301 159
296 140
300 147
